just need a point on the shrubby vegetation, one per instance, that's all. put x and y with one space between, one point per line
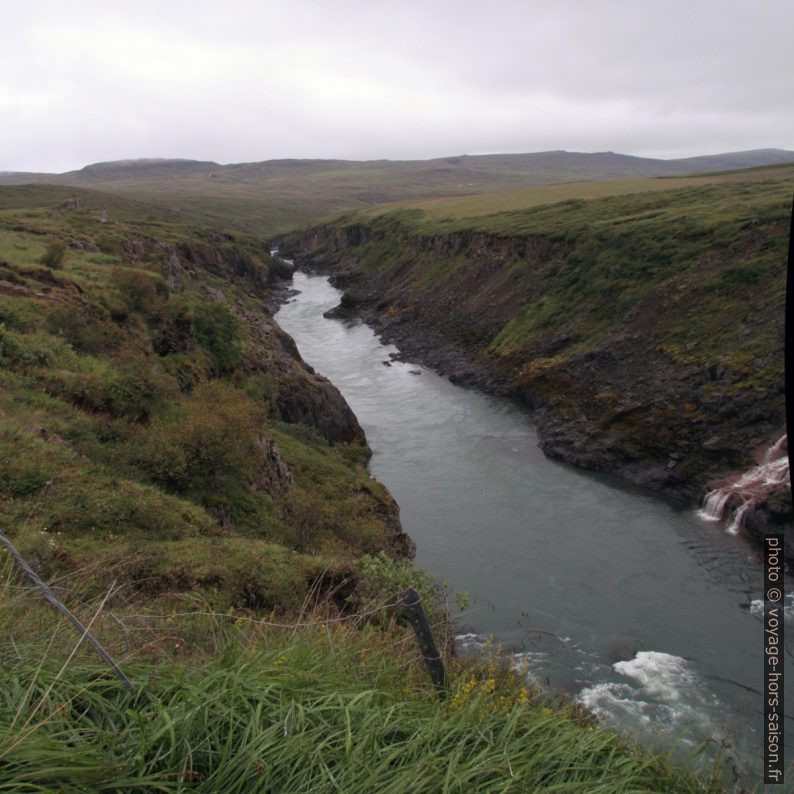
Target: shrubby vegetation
139 400
54 255
217 331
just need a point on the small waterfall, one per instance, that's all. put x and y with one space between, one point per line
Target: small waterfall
750 488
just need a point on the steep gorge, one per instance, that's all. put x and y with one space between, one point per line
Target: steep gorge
644 332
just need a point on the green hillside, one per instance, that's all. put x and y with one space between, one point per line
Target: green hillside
482 204
157 424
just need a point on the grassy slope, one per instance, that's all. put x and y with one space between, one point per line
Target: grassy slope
481 204
687 282
621 248
143 398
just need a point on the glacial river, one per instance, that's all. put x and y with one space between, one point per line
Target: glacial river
648 615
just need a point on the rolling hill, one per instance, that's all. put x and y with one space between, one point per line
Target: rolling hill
272 196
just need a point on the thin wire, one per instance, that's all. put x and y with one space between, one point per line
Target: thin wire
61 607
54 601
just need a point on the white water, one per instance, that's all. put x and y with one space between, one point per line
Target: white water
660 693
750 488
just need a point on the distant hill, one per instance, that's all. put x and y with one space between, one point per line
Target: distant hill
556 165
142 168
732 160
274 195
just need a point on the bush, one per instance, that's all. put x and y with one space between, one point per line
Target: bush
16 316
86 390
78 506
135 392
20 351
110 244
211 438
305 513
218 332
132 394
739 276
382 579
87 329
54 255
21 472
172 326
139 290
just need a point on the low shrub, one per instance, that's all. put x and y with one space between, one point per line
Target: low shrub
209 437
738 277
133 393
382 579
141 291
87 328
54 255
218 332
22 351
172 328
120 508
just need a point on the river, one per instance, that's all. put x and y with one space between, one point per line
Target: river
646 614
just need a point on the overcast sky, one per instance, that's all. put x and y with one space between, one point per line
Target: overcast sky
236 81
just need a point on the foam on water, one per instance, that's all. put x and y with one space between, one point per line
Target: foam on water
614 702
662 695
661 674
469 642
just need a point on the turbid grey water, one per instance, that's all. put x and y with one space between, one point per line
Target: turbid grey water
646 614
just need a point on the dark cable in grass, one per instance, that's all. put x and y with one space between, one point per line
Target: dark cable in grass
53 600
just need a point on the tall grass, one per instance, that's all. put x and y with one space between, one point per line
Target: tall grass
297 720
330 706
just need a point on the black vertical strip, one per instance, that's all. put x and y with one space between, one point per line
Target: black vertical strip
789 338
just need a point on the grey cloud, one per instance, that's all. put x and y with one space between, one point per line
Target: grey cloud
248 81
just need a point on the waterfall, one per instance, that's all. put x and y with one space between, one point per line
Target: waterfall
750 488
